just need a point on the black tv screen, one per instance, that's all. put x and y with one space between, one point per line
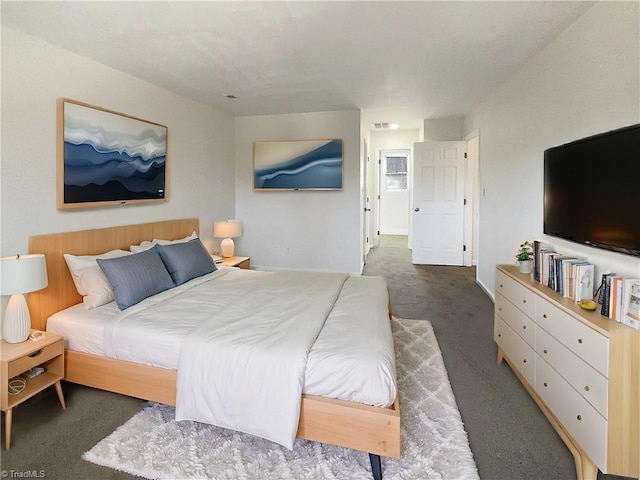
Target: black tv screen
592 191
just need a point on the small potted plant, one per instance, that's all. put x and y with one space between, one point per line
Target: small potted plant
524 257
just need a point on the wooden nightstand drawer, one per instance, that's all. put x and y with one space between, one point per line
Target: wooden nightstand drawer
24 363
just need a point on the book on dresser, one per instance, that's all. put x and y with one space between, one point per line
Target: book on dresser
551 276
615 298
604 298
584 282
570 272
538 249
544 265
630 314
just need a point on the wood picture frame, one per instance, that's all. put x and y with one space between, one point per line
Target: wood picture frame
298 165
108 158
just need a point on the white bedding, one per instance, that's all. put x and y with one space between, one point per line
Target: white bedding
243 368
351 359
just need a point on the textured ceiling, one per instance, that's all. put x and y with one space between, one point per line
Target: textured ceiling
396 61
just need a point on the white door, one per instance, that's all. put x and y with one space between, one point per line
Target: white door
438 203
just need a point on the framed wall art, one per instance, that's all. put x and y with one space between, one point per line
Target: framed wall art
108 158
298 165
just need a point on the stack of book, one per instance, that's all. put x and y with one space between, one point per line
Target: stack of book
571 277
620 299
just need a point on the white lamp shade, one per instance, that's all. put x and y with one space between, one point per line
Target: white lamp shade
22 274
227 229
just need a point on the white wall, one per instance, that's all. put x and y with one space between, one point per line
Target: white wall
584 82
443 129
317 230
34 75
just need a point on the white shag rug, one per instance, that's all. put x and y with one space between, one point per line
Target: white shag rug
434 444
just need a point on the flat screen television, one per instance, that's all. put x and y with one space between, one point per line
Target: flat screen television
592 191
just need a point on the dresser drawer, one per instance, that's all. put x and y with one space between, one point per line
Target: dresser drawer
585 342
516 319
517 294
522 356
579 418
586 380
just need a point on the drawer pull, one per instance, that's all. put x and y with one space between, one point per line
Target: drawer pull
545 384
579 340
586 388
524 327
524 301
499 335
499 309
579 417
544 315
35 354
500 285
545 350
524 361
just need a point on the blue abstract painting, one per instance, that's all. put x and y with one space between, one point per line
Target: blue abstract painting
110 158
298 165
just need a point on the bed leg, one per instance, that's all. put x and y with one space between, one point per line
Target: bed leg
376 466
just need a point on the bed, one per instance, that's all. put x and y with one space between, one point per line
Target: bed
350 424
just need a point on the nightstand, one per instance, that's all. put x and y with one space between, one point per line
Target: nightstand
241 262
18 359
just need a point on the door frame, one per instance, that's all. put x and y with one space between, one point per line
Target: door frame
471 212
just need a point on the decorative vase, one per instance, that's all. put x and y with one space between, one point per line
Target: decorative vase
525 266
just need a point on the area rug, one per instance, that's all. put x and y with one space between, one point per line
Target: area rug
434 444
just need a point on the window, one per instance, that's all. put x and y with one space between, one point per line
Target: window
395 173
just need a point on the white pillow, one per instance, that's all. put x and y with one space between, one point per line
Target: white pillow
89 279
146 245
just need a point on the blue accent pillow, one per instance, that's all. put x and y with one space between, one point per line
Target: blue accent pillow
185 261
136 277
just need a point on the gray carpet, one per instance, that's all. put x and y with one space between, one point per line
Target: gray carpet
509 437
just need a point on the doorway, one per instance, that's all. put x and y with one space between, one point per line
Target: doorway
394 191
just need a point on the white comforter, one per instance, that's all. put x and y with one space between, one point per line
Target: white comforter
231 383
244 367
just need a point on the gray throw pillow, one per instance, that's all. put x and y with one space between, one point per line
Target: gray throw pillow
185 261
136 277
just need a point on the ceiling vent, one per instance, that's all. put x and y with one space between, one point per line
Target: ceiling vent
381 125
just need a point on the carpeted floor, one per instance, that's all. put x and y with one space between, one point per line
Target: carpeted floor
509 437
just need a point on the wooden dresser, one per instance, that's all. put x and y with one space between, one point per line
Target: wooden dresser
582 369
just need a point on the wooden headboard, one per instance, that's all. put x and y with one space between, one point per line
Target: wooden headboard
61 291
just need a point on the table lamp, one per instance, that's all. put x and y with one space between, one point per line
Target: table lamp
18 275
227 230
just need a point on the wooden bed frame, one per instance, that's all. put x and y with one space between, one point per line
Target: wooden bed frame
348 424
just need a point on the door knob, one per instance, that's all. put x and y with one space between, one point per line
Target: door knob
416 209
